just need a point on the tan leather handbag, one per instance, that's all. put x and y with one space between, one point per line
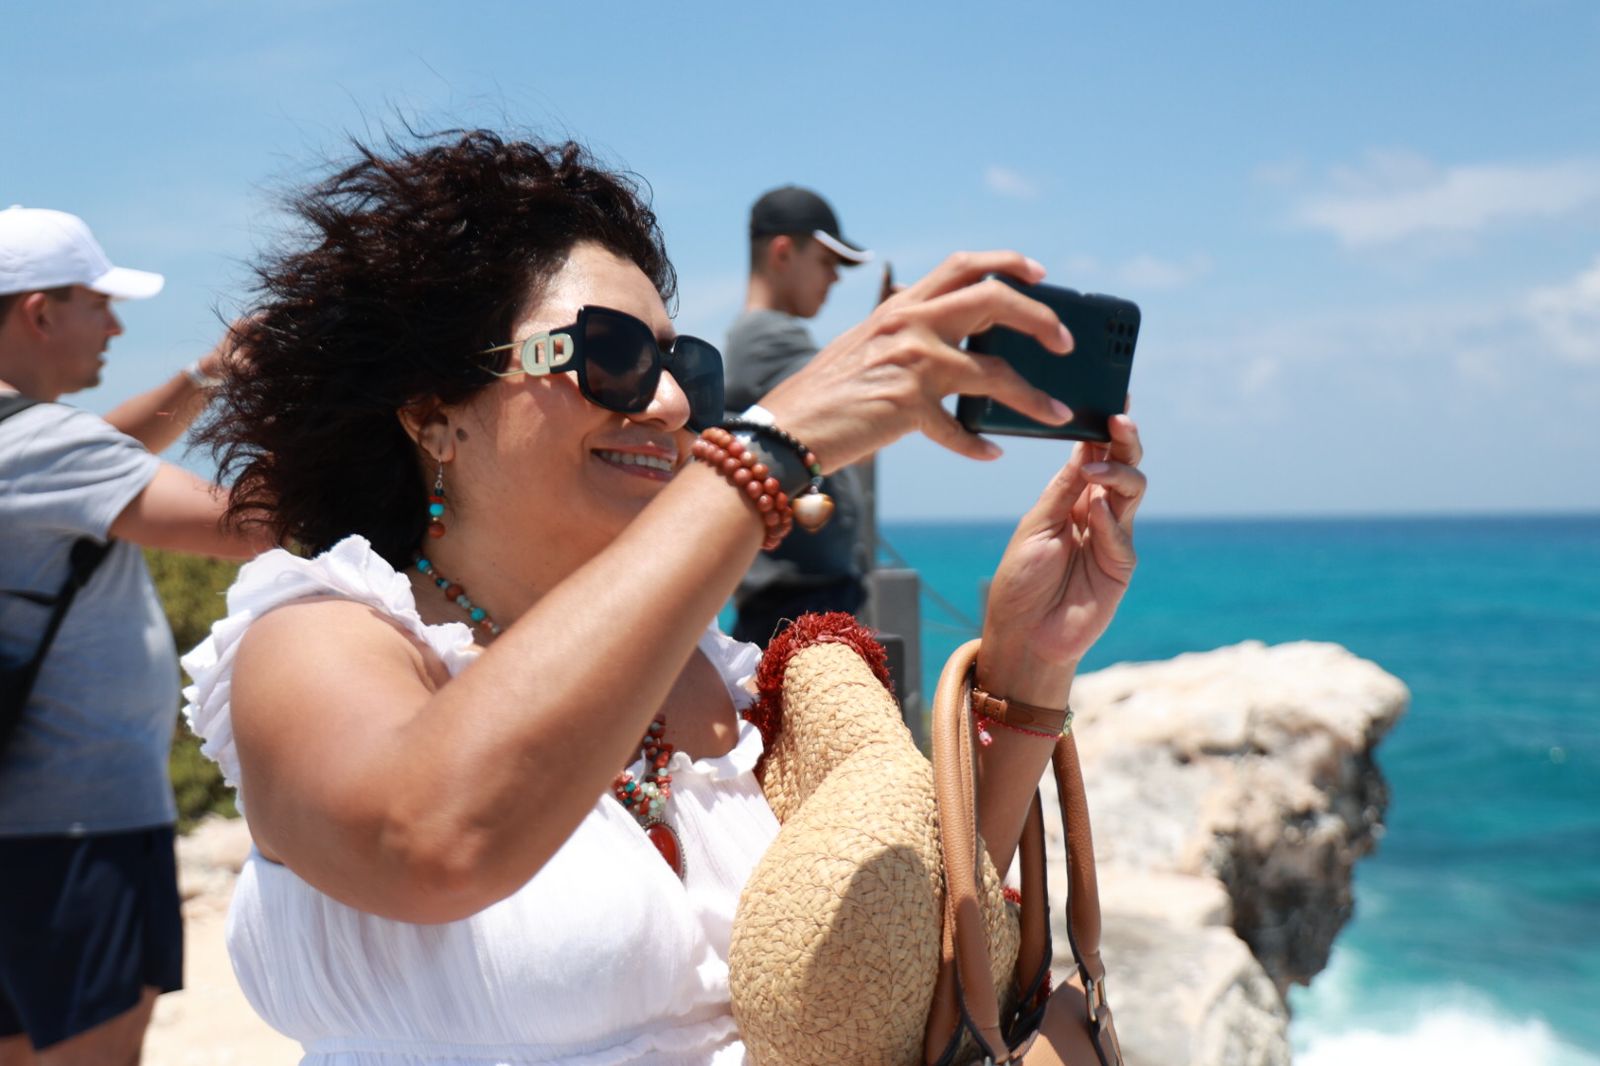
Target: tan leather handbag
1071 1026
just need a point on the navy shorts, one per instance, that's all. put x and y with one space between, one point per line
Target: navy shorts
86 923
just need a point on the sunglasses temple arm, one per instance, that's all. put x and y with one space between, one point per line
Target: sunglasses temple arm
495 350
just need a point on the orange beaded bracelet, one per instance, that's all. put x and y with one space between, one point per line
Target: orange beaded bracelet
718 449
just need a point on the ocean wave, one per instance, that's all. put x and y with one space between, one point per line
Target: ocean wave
1359 1010
1457 1035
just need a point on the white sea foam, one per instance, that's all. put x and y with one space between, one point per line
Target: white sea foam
1343 1020
1453 1035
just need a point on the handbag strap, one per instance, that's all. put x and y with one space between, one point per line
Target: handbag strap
965 943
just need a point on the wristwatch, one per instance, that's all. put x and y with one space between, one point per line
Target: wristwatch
199 378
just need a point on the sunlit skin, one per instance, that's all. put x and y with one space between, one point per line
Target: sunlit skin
529 448
87 324
814 273
794 277
60 345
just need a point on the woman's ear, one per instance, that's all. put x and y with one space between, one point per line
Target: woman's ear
427 422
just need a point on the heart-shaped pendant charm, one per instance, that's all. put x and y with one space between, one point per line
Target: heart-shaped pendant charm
812 511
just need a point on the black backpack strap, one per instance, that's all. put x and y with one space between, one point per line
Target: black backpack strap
84 559
14 404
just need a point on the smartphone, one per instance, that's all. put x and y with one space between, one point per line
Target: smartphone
1092 379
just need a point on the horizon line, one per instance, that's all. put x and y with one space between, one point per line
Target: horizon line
1289 516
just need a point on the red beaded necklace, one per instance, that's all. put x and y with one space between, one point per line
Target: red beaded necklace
645 798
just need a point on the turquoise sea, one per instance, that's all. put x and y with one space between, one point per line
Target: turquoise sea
1476 937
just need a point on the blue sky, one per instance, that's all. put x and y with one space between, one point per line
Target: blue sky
1365 237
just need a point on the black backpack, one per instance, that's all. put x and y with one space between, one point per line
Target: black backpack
17 676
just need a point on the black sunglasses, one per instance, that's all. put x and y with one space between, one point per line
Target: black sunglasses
619 363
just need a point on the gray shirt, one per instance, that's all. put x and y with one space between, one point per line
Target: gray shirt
763 348
90 754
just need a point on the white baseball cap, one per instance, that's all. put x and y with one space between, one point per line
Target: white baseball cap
44 249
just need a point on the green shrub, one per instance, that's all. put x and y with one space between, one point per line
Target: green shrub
192 592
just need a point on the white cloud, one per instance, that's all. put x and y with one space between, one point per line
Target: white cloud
1003 181
1399 196
1141 272
1152 272
1567 316
1284 173
1259 374
1073 269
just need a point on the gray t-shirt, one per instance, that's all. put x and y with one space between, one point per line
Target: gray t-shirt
763 348
90 754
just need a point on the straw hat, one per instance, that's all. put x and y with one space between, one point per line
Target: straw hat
836 941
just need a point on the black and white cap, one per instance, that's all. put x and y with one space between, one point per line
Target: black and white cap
792 210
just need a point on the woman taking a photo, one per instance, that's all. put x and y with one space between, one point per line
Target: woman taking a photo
466 404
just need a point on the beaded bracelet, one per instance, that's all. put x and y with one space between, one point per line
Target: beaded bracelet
742 469
812 507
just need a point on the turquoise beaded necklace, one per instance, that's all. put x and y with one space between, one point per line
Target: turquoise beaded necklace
458 596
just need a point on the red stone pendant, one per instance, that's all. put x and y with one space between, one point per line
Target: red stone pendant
665 838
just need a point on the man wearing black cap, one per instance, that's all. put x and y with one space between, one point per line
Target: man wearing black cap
796 251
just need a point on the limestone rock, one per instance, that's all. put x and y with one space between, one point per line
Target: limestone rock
1190 994
209 860
1231 793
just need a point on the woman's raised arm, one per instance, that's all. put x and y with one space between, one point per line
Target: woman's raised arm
416 796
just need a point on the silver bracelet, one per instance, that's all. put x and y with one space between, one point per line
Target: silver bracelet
199 378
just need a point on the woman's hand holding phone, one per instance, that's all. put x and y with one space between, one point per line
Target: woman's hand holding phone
1065 571
1094 382
888 375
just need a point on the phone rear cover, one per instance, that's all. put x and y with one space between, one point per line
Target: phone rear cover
1092 379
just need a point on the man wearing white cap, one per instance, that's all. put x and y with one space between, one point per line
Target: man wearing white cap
89 926
796 251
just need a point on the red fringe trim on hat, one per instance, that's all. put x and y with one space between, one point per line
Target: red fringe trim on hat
835 627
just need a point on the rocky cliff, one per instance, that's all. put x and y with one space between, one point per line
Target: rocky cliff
1231 793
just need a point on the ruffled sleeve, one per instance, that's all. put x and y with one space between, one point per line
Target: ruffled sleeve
350 570
735 660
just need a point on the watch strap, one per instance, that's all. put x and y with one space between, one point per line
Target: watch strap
1021 715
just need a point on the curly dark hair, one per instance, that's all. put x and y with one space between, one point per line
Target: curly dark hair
406 263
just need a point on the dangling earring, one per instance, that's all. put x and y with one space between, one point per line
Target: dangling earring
436 505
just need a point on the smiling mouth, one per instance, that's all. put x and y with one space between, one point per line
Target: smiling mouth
654 467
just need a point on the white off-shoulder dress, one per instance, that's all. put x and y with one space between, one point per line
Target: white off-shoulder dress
604 958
